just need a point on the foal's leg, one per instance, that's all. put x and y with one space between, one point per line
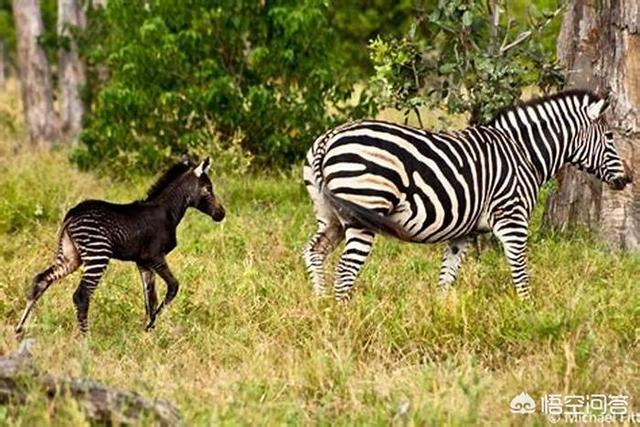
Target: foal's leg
453 257
67 261
93 271
162 269
354 254
149 291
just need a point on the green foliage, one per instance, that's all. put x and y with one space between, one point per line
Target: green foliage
7 29
359 21
456 56
185 74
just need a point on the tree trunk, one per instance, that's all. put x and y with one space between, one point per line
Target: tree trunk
71 73
599 44
35 75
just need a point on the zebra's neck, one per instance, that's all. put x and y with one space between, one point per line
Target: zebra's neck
546 130
174 199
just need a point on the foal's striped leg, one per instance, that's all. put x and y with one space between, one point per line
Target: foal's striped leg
355 253
94 267
451 261
66 262
513 233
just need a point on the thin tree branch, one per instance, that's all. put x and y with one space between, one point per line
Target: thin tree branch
521 38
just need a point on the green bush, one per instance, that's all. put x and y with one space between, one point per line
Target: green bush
184 74
462 56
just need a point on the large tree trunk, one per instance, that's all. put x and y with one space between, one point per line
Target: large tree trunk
35 75
599 44
71 73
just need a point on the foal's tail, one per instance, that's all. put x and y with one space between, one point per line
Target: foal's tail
66 261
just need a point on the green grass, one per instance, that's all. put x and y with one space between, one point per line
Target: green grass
245 342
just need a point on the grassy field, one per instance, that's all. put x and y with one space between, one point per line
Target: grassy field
245 342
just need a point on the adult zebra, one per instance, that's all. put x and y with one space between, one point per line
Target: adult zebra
368 177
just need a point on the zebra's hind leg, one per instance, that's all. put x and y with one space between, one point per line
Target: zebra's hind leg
329 234
149 291
66 262
513 235
355 253
93 271
451 261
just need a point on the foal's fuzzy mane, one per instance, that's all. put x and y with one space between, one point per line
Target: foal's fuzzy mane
173 173
578 93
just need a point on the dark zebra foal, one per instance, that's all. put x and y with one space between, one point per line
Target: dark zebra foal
95 231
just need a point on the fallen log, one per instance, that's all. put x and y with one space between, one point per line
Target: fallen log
99 402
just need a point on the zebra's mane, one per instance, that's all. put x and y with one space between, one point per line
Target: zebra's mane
533 102
173 173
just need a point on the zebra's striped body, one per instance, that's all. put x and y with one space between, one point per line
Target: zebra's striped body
96 231
371 176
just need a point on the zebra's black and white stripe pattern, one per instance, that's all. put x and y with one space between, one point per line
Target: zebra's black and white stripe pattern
369 176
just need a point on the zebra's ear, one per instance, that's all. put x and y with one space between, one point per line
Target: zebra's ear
202 167
595 110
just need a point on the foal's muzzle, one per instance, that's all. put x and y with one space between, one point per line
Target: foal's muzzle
219 214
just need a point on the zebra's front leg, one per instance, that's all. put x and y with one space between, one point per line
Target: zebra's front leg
149 291
513 234
319 247
452 259
162 269
355 253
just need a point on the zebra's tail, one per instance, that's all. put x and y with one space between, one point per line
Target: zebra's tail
367 218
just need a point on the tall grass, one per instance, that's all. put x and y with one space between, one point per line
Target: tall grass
245 342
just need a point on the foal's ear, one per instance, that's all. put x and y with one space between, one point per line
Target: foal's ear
595 110
202 167
187 160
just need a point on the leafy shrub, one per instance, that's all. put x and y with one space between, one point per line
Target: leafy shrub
468 56
264 72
